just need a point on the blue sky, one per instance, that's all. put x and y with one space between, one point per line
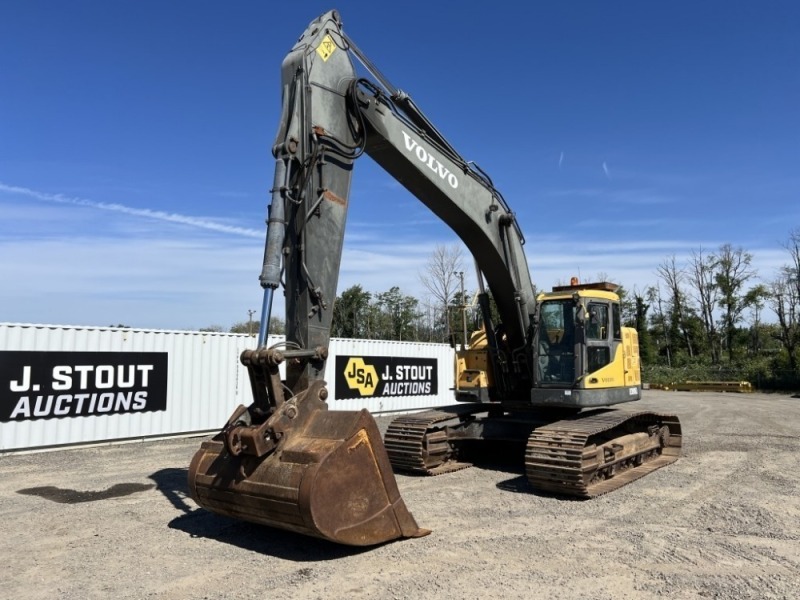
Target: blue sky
135 143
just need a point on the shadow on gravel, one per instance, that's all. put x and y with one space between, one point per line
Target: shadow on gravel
503 457
67 496
200 523
521 485
174 484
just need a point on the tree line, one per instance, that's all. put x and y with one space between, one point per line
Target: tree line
704 317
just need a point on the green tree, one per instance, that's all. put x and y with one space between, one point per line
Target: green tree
351 314
277 326
646 350
755 299
733 271
461 312
398 313
248 327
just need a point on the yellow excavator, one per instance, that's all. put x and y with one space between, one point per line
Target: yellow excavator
542 376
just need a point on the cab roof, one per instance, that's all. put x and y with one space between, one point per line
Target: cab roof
605 286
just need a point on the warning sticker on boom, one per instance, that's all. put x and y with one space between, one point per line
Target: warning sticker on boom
326 48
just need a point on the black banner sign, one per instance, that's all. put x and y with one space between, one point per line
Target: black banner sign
56 385
370 376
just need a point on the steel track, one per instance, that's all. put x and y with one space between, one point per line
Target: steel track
561 458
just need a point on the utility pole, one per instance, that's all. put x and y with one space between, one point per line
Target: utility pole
250 314
463 312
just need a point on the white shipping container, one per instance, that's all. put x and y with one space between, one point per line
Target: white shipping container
67 385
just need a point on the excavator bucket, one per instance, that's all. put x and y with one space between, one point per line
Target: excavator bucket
328 476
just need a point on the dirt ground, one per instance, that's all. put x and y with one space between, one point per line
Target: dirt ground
722 522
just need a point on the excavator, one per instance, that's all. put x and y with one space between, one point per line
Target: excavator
540 378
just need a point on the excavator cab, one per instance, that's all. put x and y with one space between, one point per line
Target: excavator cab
583 356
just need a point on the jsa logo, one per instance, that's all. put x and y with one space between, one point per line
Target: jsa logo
361 376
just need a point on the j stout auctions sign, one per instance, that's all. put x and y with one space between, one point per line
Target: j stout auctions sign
52 385
359 376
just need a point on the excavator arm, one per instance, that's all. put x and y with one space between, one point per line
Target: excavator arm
314 152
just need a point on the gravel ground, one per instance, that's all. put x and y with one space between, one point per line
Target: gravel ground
722 522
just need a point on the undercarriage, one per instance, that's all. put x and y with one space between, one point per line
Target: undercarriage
582 455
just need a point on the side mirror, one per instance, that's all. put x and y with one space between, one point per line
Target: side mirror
580 315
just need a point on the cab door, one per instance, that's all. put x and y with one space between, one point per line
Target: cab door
599 334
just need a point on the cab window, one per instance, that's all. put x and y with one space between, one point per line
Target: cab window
597 327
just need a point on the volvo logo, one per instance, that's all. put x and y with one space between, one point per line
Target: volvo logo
430 160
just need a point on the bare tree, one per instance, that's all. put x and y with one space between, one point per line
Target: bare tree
793 247
659 320
706 294
673 277
784 300
441 278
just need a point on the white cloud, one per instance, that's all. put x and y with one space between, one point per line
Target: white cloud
136 212
152 282
75 261
97 263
